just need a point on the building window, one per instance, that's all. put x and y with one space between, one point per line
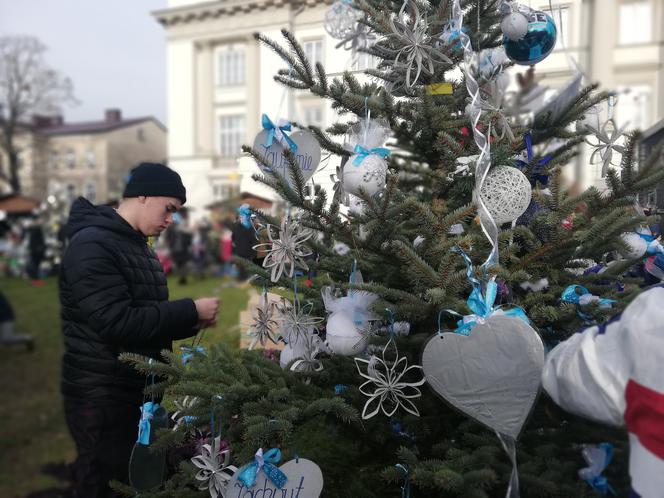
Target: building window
90 158
364 61
90 192
71 159
223 191
231 135
313 49
313 116
635 22
561 19
231 66
634 106
53 159
140 135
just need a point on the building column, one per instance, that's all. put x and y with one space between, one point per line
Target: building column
204 99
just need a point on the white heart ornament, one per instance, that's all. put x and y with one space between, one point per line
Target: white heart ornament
492 375
305 480
307 154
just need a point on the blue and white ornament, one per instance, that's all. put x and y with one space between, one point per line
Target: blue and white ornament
536 44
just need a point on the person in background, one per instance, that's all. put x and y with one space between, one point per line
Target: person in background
244 239
8 336
612 373
36 251
179 239
114 299
226 250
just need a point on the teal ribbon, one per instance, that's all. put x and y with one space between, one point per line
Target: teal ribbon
188 352
597 481
147 414
570 295
362 152
481 303
279 130
264 462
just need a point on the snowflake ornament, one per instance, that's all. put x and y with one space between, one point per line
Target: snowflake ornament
215 470
386 386
286 250
184 406
296 320
264 326
607 138
417 53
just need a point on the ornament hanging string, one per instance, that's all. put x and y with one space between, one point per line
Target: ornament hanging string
509 445
405 489
487 222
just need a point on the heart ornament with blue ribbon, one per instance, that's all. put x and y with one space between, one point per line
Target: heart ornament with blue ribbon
492 374
299 477
274 139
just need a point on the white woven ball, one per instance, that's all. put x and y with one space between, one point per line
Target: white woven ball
637 245
370 175
506 192
514 26
343 337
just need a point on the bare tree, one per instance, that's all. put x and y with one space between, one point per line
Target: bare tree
27 86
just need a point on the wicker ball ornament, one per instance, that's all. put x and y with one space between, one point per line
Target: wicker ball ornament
506 192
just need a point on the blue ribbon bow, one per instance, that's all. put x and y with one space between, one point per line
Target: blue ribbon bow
340 389
279 131
579 295
362 152
654 246
188 352
598 458
264 462
481 303
536 175
147 413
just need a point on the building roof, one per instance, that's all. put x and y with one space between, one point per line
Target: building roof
88 127
218 8
17 204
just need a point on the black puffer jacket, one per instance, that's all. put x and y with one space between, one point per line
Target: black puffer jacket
114 298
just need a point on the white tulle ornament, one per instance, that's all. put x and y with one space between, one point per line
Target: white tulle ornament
514 26
349 320
369 175
506 192
637 245
341 19
356 205
589 121
366 169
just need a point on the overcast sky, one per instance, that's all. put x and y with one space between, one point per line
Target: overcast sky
114 51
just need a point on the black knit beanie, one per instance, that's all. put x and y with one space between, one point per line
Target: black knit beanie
155 180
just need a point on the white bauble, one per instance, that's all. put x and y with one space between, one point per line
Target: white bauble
506 192
343 336
291 351
514 26
369 175
637 245
356 205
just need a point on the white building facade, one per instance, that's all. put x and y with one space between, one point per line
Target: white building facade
220 79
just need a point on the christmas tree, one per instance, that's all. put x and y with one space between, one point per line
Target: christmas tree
449 186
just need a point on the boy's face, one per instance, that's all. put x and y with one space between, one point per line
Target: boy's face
156 214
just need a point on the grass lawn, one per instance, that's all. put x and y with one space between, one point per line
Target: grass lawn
33 432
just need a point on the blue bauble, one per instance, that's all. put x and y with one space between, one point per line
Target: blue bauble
538 42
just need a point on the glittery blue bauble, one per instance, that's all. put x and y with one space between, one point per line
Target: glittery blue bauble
538 42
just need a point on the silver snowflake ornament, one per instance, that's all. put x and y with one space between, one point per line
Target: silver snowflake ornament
264 326
417 53
607 138
386 385
215 471
296 320
288 249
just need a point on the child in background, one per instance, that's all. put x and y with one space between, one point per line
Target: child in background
612 374
8 337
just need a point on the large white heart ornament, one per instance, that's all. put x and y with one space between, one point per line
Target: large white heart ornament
307 154
492 375
305 480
